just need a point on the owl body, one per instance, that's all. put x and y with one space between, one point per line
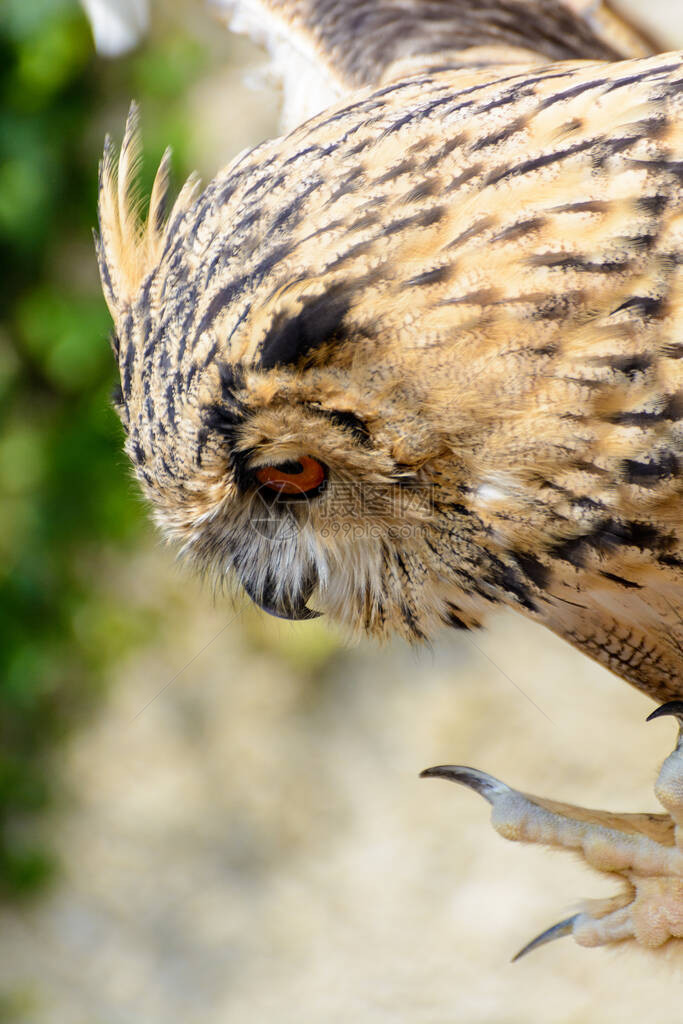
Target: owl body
460 295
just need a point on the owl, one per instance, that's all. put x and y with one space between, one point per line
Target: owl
421 357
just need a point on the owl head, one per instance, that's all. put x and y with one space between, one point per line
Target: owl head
287 380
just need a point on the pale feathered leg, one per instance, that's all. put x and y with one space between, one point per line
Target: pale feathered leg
644 850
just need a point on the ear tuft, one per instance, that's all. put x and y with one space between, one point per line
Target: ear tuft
128 249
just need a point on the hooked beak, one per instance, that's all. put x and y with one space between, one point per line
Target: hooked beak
285 606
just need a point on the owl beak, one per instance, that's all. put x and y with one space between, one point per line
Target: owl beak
286 606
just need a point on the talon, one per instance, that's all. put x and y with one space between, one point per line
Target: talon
481 782
672 707
669 785
557 931
644 851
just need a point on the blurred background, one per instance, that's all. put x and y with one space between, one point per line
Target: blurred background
207 815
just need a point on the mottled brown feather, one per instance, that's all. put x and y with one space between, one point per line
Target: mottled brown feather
481 270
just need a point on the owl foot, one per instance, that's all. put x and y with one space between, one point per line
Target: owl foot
645 851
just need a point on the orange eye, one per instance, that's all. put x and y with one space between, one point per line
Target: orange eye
302 477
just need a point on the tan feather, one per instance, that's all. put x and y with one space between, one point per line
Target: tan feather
128 249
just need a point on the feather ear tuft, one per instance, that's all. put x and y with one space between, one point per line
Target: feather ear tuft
128 249
128 193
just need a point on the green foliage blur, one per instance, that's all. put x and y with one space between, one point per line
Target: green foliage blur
66 490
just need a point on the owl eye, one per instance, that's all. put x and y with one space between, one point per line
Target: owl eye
304 477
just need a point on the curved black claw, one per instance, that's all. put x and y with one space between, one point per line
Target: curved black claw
482 783
672 707
558 931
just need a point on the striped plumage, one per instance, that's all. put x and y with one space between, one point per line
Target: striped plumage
459 290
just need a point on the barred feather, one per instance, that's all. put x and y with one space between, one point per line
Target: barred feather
129 250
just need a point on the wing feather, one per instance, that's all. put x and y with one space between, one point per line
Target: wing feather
323 49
